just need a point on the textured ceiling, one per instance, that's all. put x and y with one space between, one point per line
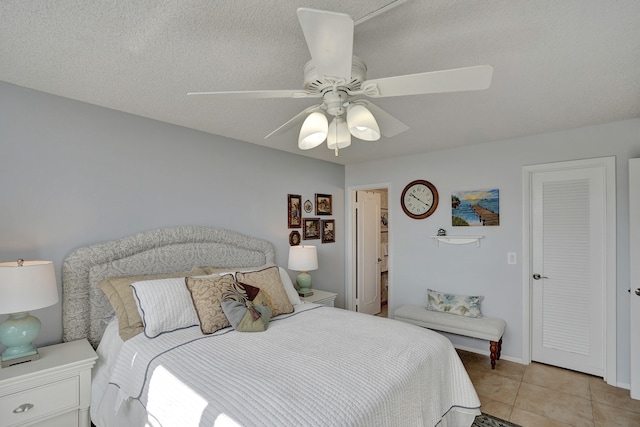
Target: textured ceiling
557 64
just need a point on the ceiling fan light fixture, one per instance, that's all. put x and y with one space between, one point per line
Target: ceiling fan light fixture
313 131
339 136
362 124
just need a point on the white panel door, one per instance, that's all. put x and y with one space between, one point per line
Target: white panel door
368 252
568 268
634 256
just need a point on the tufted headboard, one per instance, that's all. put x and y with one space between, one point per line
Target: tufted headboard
85 308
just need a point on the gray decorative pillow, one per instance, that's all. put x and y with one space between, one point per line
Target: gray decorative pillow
462 305
246 308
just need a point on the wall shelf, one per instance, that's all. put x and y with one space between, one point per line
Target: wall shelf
457 240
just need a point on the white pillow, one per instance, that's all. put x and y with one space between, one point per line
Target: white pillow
165 305
292 293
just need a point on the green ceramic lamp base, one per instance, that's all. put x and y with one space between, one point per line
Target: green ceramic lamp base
304 284
17 334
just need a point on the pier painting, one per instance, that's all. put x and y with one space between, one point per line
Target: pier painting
475 208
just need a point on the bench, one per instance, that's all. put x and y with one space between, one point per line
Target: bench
484 328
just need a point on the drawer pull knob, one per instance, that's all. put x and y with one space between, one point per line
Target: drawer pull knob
23 408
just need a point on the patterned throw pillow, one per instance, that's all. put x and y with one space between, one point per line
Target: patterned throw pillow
270 282
207 294
462 305
247 308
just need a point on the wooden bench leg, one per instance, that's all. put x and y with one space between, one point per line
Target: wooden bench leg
494 347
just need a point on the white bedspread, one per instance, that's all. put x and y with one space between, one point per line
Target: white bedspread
319 366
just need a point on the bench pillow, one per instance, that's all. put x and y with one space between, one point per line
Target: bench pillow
462 305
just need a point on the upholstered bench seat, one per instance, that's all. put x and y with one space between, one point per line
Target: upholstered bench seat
484 328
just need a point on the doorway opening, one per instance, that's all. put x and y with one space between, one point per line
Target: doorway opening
368 264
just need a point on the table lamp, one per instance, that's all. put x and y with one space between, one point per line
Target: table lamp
24 286
303 259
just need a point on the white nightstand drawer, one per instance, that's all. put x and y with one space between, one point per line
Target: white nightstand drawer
321 297
40 401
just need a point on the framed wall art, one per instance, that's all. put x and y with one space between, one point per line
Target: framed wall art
475 208
308 206
328 230
294 216
311 228
323 204
384 220
294 238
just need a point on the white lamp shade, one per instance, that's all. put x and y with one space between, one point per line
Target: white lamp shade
303 258
338 134
313 131
362 124
28 287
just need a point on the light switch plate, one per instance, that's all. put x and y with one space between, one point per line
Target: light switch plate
511 258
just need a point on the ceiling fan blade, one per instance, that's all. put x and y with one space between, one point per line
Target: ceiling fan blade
257 94
329 36
295 120
455 80
389 125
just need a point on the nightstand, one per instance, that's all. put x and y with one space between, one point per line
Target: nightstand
321 297
53 391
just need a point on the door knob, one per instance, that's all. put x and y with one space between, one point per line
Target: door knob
638 292
536 276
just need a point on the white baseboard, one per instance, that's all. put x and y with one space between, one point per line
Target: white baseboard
518 360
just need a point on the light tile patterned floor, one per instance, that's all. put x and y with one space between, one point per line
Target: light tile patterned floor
538 395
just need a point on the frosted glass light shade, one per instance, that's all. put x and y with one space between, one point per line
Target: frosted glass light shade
28 287
362 124
338 134
313 131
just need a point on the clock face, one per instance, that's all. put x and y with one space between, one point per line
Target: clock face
419 199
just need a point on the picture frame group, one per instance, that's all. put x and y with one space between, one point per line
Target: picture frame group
312 228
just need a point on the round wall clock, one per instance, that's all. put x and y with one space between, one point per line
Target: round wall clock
419 199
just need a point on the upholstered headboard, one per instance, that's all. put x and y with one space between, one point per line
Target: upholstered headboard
85 308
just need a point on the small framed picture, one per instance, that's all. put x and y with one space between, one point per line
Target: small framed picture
328 231
384 220
294 238
294 204
323 204
311 228
308 206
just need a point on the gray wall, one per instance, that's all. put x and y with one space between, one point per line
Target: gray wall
73 174
417 264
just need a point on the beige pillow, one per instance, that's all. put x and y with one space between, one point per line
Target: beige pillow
207 293
118 291
269 281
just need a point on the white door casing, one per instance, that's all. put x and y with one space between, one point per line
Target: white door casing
569 222
634 257
368 252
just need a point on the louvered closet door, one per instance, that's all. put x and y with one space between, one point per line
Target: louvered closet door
568 274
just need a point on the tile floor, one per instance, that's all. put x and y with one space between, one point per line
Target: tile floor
538 395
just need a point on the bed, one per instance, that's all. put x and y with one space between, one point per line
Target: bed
314 365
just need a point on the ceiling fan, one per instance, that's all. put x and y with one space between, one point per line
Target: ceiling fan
339 78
